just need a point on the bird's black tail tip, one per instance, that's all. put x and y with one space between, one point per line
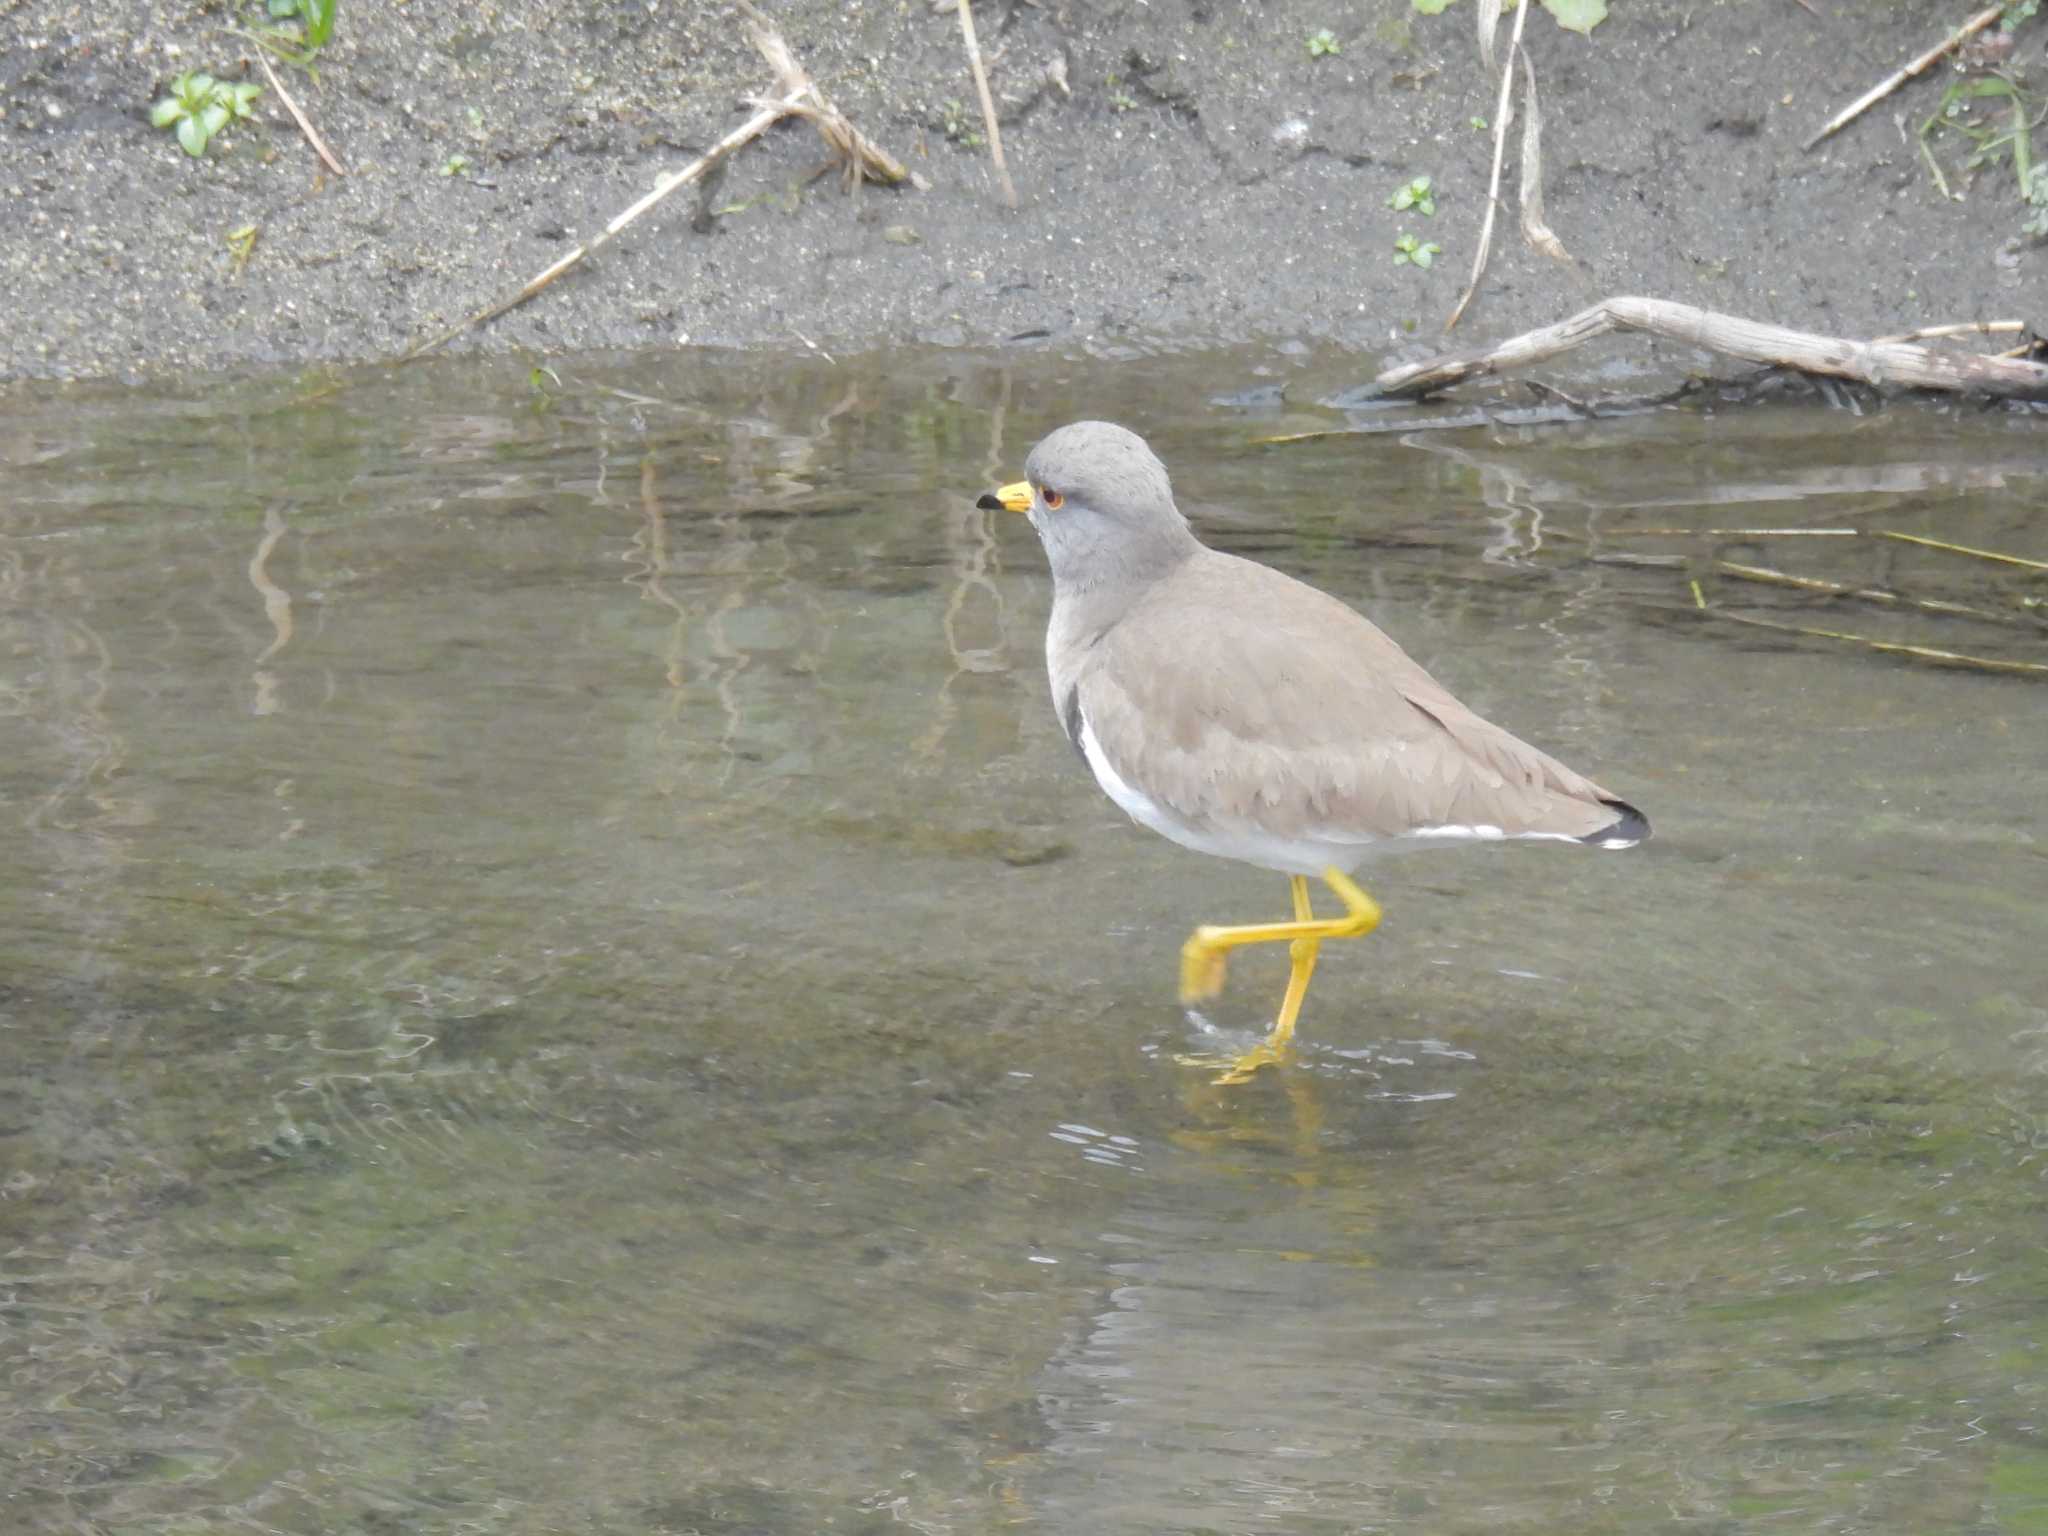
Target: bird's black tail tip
1633 827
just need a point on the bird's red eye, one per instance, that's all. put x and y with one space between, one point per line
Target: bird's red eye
1053 499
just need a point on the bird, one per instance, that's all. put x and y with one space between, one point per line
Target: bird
1243 713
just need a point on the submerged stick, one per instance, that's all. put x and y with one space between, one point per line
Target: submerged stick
1871 642
1776 578
1963 549
1900 76
1872 362
988 103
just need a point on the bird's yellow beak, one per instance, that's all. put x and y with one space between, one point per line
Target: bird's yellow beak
1011 498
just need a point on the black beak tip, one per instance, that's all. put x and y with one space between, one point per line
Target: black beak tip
988 502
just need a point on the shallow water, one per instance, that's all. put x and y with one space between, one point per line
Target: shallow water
557 974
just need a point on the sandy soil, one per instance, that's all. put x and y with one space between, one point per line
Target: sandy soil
1206 182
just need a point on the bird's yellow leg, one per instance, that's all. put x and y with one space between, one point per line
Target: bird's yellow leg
1204 956
1301 955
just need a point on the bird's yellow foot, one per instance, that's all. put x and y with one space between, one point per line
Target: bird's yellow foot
1231 1070
1276 1050
1202 963
1264 1054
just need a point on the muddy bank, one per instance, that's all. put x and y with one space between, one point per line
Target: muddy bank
1207 180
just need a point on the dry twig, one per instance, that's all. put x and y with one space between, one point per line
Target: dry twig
1535 228
305 123
1900 76
752 128
862 155
988 103
1500 148
798 96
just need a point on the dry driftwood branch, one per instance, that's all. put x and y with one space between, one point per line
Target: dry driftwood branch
799 97
988 103
1502 115
1900 76
1869 362
305 123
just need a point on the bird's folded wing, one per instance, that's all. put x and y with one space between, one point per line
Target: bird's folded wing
1250 700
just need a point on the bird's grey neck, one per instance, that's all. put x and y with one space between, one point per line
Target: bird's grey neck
1118 568
1089 598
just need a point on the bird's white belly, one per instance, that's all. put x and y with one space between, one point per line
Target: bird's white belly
1302 855
1289 855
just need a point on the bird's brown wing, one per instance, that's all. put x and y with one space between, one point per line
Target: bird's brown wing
1238 697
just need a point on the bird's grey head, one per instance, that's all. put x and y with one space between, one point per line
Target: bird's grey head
1103 508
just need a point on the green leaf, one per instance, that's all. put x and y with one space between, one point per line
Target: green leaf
195 88
167 112
1577 15
192 134
240 99
1430 7
320 16
215 116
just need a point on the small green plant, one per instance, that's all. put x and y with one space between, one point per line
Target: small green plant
241 246
199 106
1408 249
1572 15
455 165
314 24
1478 123
1119 98
1991 112
1322 43
1415 194
957 124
